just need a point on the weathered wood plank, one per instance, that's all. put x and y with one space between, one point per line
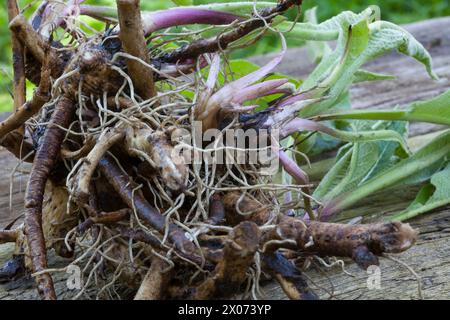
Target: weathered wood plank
430 258
11 194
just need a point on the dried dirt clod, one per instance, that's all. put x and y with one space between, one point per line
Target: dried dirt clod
12 269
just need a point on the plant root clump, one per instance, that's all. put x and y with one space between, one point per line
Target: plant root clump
117 190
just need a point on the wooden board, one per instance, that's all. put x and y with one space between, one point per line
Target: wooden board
430 258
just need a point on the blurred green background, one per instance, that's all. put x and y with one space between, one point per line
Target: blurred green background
397 11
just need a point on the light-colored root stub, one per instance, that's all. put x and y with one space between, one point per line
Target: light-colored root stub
91 161
155 281
133 42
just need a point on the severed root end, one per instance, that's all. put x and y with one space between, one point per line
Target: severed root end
394 237
391 237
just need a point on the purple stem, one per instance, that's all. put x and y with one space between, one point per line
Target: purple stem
241 109
299 124
293 99
261 72
229 92
330 209
292 168
257 90
155 21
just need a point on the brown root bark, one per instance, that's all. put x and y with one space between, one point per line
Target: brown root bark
157 149
29 38
44 162
234 200
104 218
288 276
15 143
362 243
133 42
231 271
90 163
216 210
123 185
37 49
87 147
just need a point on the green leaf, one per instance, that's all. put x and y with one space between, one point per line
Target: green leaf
433 195
357 163
404 42
436 110
364 75
363 157
372 135
183 2
320 142
360 40
336 174
434 155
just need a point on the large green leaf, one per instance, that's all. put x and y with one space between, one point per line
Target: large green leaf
336 174
183 2
364 75
359 41
432 156
436 110
433 195
359 162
